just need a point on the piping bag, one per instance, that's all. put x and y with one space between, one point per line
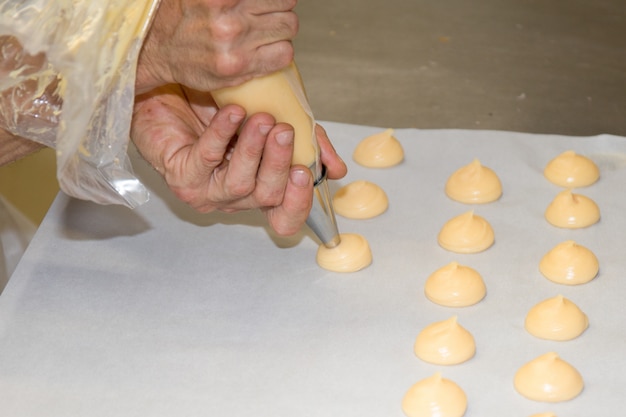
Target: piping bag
282 95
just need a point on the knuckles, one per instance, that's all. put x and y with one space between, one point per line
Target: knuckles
273 198
227 31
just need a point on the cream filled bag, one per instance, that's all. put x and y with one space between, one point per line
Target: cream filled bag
67 80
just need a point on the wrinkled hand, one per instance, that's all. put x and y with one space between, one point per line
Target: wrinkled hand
206 164
211 44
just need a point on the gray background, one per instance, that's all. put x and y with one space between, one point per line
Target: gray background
555 66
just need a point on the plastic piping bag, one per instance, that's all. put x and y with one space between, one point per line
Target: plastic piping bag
67 80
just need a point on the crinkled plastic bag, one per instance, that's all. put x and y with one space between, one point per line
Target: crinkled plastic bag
67 75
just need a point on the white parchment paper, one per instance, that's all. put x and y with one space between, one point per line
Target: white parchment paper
165 312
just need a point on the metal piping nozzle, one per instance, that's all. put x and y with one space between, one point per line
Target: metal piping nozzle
322 216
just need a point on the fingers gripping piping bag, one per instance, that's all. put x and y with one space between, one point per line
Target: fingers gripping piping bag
281 94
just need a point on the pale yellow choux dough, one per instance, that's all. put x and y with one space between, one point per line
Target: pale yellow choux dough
571 170
572 211
435 396
445 343
474 184
282 95
548 378
466 233
351 255
569 263
556 318
381 150
360 200
548 414
455 285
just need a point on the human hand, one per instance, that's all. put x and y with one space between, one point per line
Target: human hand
211 44
206 164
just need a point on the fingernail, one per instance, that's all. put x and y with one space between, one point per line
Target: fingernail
300 177
285 138
265 129
236 118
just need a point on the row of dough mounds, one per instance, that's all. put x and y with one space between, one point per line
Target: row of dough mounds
447 342
361 200
547 378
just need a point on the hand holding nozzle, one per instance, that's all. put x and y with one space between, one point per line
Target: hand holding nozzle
281 94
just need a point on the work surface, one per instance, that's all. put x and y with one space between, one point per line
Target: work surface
162 312
518 65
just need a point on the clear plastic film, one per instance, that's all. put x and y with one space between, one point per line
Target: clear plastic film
67 80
